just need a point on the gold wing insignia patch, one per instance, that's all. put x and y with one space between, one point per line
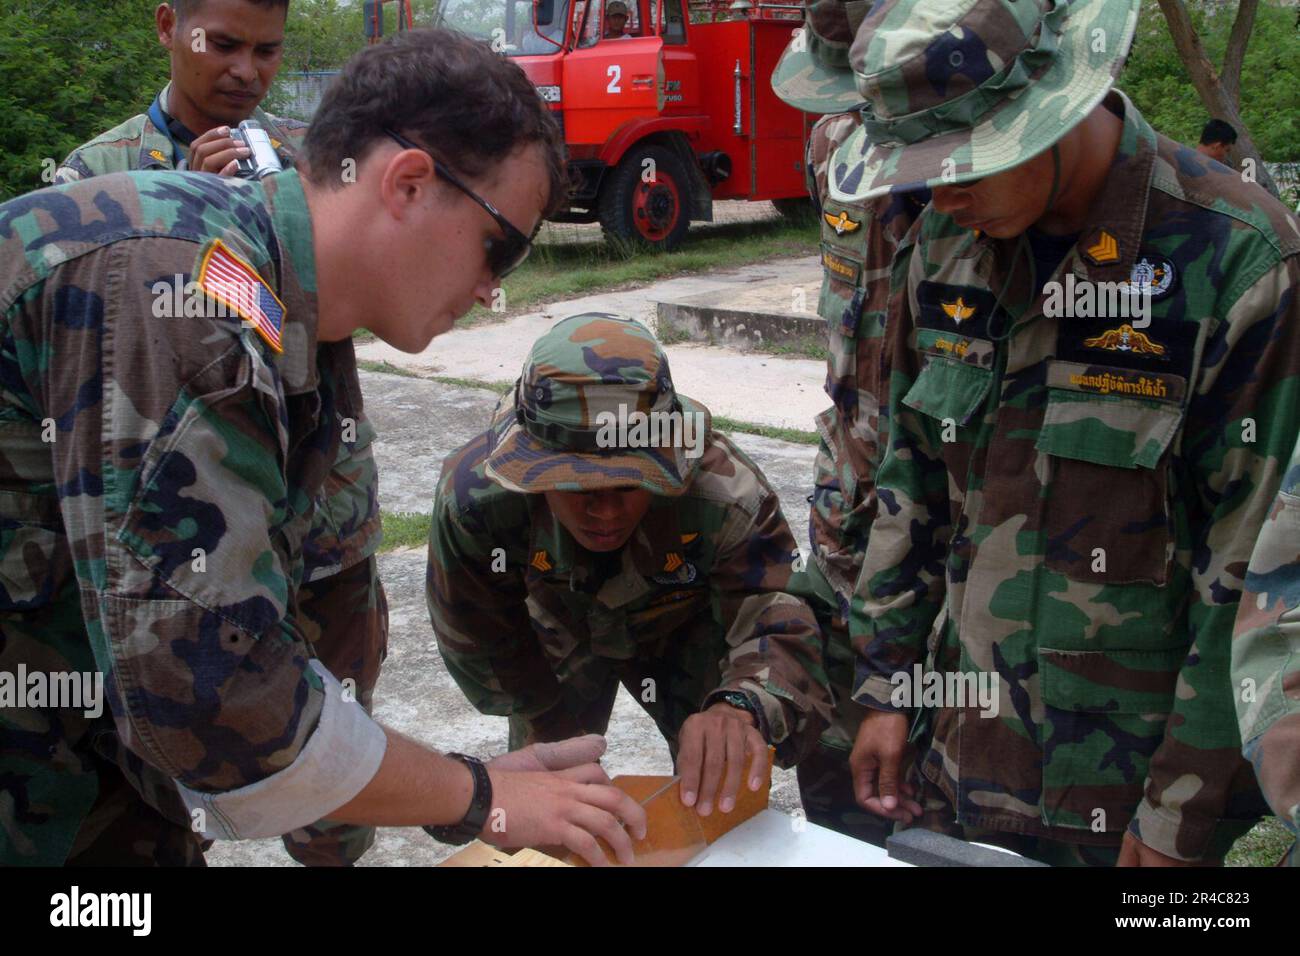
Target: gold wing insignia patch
841 223
958 311
1125 339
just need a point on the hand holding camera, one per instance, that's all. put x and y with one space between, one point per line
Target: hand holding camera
245 151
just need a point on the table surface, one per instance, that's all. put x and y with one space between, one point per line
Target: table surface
771 839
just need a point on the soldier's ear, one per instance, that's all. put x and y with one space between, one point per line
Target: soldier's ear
164 18
407 179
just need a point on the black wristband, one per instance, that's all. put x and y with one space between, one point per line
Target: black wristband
479 806
740 700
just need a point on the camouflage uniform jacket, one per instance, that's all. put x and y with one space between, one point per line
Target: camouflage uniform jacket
157 478
1070 503
1265 660
859 241
722 549
348 525
136 143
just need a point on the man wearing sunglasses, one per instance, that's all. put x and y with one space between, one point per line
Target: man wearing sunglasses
157 481
214 85
569 555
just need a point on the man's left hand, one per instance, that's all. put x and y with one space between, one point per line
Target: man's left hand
1133 852
714 742
562 755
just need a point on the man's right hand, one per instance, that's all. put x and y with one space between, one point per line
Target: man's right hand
216 152
569 808
877 762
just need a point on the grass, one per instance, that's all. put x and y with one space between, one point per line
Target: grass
387 368
564 270
805 347
499 387
404 529
796 435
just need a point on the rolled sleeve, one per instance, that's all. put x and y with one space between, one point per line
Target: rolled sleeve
340 757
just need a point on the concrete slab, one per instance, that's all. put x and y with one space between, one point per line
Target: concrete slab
419 422
759 315
763 389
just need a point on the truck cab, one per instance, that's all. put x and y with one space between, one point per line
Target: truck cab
665 106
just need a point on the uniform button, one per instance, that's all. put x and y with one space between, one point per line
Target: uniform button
956 58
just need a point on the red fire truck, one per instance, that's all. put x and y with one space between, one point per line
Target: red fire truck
662 116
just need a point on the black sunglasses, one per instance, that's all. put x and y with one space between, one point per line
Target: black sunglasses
504 255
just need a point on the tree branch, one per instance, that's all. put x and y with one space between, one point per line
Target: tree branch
1235 54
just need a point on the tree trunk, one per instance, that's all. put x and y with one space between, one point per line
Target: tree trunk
1213 91
1235 54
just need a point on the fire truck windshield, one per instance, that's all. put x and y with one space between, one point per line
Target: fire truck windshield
507 24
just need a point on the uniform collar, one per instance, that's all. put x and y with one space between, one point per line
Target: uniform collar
156 145
156 148
655 549
291 220
1110 237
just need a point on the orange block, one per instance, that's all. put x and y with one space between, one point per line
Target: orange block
676 833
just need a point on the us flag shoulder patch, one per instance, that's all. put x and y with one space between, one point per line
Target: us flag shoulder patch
232 281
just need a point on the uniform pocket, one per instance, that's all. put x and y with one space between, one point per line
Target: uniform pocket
1106 433
212 501
1104 716
949 390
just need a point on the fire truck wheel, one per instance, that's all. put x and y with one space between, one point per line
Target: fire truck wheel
647 202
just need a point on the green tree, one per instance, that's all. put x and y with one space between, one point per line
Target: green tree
68 71
1160 86
320 36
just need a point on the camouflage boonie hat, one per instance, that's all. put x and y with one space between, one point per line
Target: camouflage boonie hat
813 74
585 375
963 89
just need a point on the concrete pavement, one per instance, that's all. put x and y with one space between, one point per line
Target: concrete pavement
747 386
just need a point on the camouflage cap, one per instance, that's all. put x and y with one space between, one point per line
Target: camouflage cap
813 74
595 408
962 89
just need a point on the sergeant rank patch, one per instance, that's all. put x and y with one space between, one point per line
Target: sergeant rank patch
1104 251
232 281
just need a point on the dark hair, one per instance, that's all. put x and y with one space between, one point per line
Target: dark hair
183 8
1217 131
471 107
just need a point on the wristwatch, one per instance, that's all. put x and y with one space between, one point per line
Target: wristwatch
472 823
740 700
